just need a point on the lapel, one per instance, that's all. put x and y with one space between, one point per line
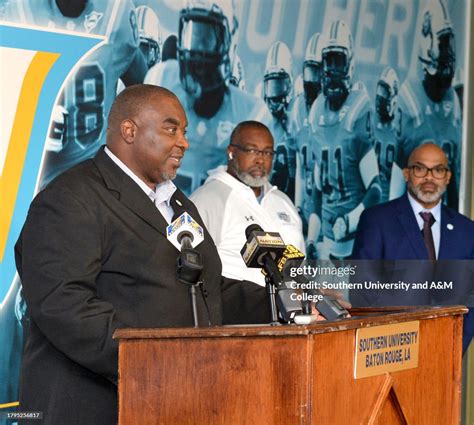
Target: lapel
409 224
129 194
446 242
181 203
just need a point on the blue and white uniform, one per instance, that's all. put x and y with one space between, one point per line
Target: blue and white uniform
387 149
208 137
300 131
345 164
284 163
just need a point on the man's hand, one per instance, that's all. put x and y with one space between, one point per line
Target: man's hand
315 312
337 295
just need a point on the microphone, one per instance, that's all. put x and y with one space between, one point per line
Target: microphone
292 254
293 257
328 306
265 250
184 232
261 245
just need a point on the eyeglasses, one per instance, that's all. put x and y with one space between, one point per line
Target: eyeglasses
254 152
438 172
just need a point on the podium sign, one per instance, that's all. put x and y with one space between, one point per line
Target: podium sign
387 348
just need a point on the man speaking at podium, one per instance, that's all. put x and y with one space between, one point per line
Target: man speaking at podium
93 256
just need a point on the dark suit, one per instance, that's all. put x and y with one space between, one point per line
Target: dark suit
93 257
390 231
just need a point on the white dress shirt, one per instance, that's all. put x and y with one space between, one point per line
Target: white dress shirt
162 194
436 212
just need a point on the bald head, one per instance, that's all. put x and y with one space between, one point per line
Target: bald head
428 150
241 128
129 104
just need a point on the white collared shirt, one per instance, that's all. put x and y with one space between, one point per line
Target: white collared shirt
162 194
436 212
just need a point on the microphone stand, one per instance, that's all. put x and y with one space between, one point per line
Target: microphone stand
189 272
272 279
271 294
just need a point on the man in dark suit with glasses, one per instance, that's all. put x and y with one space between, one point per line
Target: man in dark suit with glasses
417 226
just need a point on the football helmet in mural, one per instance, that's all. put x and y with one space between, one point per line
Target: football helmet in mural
206 44
277 80
313 69
149 31
338 62
386 94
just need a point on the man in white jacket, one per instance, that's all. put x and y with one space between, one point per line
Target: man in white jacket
239 194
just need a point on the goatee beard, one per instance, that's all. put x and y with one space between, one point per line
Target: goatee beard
167 176
248 179
428 198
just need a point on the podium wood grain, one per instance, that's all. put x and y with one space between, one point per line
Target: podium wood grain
288 375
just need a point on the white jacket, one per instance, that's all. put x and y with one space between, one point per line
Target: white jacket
228 207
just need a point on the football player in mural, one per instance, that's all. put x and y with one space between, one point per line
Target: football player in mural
346 170
207 38
387 119
312 70
277 91
149 32
89 92
430 106
305 194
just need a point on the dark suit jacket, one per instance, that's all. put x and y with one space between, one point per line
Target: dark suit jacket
390 231
93 257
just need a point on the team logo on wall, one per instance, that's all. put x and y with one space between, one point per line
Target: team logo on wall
43 59
92 20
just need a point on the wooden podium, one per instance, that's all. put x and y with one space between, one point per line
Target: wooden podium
263 375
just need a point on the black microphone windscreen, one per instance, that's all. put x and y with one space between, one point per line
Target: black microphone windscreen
185 234
252 228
